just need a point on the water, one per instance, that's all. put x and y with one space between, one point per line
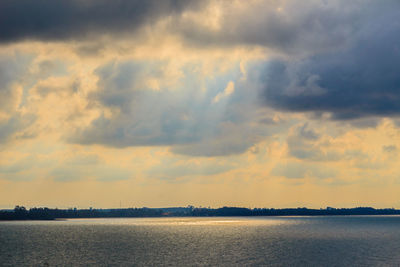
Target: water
233 241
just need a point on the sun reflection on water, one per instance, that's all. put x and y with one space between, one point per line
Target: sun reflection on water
184 221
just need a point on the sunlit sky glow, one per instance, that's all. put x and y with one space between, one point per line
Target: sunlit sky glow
208 103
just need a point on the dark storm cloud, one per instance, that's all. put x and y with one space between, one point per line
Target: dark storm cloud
359 81
71 19
292 27
340 57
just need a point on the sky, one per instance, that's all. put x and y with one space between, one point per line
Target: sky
257 103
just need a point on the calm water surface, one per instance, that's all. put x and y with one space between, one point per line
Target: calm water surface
227 241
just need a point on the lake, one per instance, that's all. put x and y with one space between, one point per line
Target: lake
197 241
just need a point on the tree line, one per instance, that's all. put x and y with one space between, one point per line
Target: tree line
21 213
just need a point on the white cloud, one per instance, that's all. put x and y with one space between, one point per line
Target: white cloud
229 89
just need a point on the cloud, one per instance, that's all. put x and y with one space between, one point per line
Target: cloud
141 116
14 72
292 27
308 145
85 160
181 114
14 126
68 172
389 148
229 139
230 88
75 19
13 69
296 170
303 143
358 81
18 166
22 169
188 169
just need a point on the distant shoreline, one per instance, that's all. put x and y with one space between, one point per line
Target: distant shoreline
21 213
